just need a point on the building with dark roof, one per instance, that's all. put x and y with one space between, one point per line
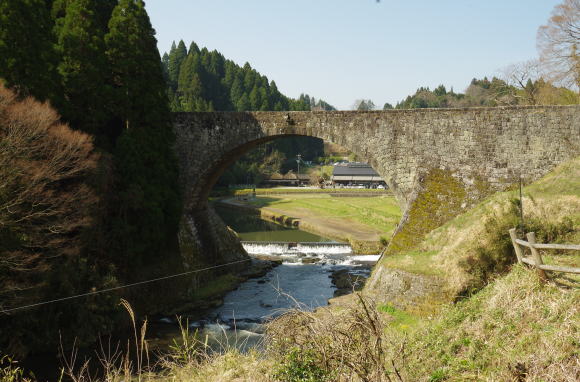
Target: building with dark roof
290 179
355 173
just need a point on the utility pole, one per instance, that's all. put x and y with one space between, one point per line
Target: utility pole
298 158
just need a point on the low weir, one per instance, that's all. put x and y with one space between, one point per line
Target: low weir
285 248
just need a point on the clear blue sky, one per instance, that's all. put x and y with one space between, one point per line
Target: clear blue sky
342 50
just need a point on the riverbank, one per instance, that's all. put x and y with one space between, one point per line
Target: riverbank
211 295
305 279
366 223
505 324
498 322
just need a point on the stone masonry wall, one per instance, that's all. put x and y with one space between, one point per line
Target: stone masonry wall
475 150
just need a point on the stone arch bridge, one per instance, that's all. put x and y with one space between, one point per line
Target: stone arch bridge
436 161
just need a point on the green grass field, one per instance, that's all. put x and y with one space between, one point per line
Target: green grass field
304 190
381 213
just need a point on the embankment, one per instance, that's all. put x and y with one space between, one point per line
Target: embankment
363 239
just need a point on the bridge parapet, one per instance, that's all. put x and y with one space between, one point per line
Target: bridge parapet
437 161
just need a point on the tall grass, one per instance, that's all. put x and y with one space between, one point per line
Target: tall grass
10 371
342 345
115 365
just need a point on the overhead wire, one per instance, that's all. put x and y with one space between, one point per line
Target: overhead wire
119 287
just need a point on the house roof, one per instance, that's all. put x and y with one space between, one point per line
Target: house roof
354 169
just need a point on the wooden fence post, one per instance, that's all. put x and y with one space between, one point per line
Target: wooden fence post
517 248
536 255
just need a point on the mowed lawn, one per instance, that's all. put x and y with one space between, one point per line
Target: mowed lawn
380 213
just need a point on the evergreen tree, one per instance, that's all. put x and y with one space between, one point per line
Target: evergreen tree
243 103
83 65
207 82
176 57
237 90
27 58
165 66
147 188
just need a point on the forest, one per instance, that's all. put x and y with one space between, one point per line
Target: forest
200 80
88 198
521 90
96 196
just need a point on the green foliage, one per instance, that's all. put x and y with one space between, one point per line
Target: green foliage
98 63
10 371
400 319
490 93
188 348
176 57
425 98
203 80
438 375
147 195
329 159
384 241
496 256
301 365
27 57
80 44
364 105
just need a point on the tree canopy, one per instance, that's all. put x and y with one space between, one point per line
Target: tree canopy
559 44
204 80
97 63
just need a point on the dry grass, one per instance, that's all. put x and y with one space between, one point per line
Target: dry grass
546 202
232 366
516 329
346 344
116 365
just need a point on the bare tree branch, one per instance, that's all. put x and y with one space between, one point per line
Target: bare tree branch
559 44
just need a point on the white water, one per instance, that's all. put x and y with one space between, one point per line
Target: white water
277 248
302 281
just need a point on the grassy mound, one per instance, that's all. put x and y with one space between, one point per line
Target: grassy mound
515 329
468 251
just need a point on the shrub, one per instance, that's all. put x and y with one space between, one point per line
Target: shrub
496 255
301 365
346 345
45 207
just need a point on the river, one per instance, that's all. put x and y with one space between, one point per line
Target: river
303 280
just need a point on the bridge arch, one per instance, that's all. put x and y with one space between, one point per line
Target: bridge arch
217 168
468 152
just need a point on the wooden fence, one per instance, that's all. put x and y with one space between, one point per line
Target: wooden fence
535 259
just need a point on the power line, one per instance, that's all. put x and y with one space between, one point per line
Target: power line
120 287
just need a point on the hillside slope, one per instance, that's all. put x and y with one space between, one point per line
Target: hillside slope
470 249
506 325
